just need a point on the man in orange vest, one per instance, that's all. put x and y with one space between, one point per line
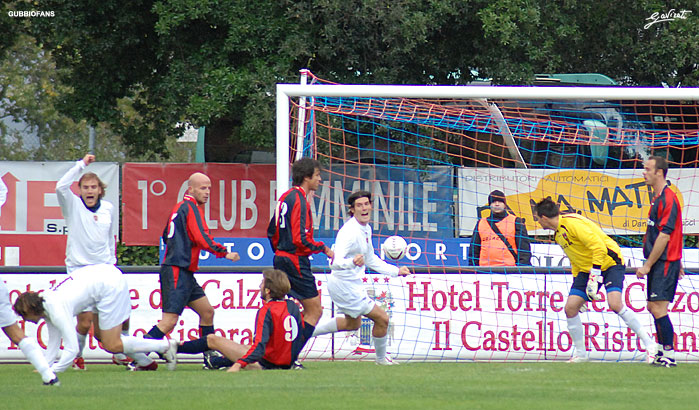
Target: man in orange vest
500 239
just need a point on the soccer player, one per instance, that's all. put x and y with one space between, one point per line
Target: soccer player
185 235
101 288
279 331
662 248
354 252
290 233
91 236
27 345
595 258
500 239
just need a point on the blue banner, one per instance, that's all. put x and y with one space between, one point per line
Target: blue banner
407 201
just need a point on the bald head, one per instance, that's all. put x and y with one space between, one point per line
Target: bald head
199 186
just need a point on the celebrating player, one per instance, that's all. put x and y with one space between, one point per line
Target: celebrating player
595 259
91 237
185 235
101 288
290 233
27 345
662 248
354 252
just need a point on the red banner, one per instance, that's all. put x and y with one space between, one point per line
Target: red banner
242 196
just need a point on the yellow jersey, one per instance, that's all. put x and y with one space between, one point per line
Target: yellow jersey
585 244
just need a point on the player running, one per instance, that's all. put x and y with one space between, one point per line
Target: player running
354 252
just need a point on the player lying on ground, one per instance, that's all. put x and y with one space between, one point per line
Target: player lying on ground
102 288
354 252
279 332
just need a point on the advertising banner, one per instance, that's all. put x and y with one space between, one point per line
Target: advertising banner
239 205
32 228
616 199
433 316
406 201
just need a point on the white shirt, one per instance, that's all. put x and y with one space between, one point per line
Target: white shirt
91 235
3 194
76 293
354 239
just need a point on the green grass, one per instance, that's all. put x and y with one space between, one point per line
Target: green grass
353 385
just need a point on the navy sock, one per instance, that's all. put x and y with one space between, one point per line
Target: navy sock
219 362
206 330
664 327
658 332
193 346
307 331
155 333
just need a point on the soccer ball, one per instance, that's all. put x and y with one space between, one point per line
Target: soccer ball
394 247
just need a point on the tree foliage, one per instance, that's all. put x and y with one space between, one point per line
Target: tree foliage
216 63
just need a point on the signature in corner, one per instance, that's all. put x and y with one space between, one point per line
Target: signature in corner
671 15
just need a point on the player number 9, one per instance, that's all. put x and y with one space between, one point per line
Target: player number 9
291 329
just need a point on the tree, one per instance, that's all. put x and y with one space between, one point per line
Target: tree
215 64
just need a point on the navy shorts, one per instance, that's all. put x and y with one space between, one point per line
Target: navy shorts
271 366
178 287
613 281
298 270
662 280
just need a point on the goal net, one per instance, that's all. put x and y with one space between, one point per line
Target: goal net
433 155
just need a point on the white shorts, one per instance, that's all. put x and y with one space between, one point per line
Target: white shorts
350 297
7 315
109 291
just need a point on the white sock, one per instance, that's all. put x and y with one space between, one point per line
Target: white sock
81 343
380 347
329 326
142 359
33 353
631 321
134 345
575 328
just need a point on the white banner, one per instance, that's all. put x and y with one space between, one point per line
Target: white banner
32 229
617 199
32 205
433 317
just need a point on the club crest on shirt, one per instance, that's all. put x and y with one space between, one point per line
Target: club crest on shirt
95 216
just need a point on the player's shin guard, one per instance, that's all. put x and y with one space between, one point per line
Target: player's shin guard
666 335
155 333
329 326
206 330
632 322
33 353
82 339
133 345
194 346
575 328
380 347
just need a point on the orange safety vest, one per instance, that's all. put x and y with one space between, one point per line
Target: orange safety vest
493 250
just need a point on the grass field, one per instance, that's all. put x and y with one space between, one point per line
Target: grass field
362 385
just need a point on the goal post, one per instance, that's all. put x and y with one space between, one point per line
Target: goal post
432 156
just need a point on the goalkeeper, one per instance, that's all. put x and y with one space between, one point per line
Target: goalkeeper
595 258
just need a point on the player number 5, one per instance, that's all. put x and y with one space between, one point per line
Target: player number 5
171 230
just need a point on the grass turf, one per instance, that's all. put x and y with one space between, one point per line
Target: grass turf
361 385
